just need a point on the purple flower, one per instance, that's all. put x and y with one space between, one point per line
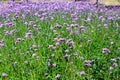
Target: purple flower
58 25
68 28
11 24
34 55
57 76
12 31
36 14
88 62
115 64
19 39
88 19
52 18
111 68
1 25
4 75
67 56
66 51
83 30
34 46
57 43
105 25
72 43
82 58
75 54
54 65
106 50
61 40
55 39
31 23
82 73
1 45
74 25
42 18
29 35
81 27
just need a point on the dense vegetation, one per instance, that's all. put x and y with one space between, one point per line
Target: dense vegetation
64 41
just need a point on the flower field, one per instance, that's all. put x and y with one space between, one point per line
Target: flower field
59 41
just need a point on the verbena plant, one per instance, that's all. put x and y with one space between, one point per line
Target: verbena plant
64 41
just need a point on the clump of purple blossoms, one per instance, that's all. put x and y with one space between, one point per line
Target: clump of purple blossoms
4 75
106 50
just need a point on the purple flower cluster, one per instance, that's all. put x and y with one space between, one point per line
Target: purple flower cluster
60 38
44 10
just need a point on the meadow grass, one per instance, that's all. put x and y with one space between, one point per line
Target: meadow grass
55 44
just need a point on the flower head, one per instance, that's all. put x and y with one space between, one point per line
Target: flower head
29 35
4 75
1 45
82 73
106 50
57 76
